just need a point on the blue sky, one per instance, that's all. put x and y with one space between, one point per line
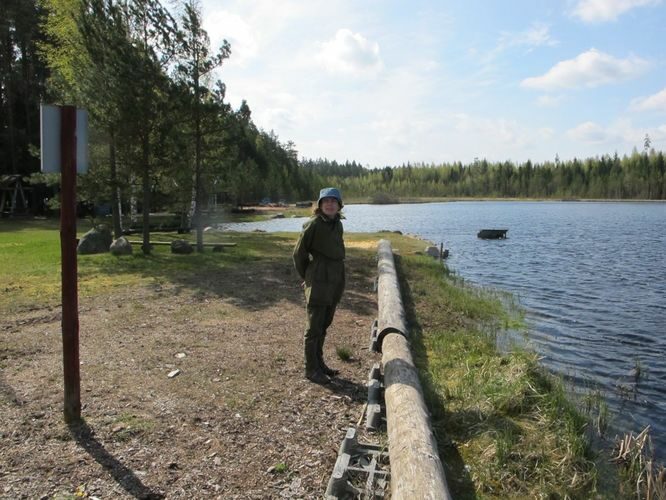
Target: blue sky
385 82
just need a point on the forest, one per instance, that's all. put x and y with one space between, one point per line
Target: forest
639 176
163 137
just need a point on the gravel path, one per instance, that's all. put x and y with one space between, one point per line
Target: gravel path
238 420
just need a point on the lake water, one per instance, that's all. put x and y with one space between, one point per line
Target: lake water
590 276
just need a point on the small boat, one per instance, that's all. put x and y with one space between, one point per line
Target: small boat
492 234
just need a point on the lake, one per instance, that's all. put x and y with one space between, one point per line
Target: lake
591 277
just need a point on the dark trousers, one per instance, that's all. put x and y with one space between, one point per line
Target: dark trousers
319 319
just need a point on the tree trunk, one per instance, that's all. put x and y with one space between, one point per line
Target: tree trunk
115 188
8 53
197 164
133 204
27 88
145 184
193 205
197 209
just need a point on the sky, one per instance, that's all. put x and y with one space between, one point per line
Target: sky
386 82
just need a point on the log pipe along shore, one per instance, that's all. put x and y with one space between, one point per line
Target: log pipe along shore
416 469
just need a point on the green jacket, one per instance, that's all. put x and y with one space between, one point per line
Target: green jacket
319 258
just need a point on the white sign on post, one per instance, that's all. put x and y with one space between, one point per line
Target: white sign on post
50 139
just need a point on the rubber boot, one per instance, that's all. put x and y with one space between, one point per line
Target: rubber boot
320 358
313 371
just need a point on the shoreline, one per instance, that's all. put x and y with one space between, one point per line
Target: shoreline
218 309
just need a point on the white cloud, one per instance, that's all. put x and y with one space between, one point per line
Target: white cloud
621 133
589 132
496 130
595 11
589 69
549 101
350 53
222 25
535 36
633 136
282 119
546 133
394 132
655 102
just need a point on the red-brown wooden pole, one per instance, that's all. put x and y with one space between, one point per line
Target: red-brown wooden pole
70 300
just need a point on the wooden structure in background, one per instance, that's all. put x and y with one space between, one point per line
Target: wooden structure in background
11 190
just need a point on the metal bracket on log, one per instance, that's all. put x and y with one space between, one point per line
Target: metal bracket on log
361 470
375 414
374 340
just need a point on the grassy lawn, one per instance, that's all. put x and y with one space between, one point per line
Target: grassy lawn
30 262
504 427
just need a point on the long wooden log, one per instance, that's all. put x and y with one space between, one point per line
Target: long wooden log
416 469
391 312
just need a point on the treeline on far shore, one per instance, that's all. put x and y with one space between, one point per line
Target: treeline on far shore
639 176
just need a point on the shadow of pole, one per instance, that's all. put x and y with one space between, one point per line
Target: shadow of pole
124 476
8 394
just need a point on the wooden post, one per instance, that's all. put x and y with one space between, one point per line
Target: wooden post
416 469
70 306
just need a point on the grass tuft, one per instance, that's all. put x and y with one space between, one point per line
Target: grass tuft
344 353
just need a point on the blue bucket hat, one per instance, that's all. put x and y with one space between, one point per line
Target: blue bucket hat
330 192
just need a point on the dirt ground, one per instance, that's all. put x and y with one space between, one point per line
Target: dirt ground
238 421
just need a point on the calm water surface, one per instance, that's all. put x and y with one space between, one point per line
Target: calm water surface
591 277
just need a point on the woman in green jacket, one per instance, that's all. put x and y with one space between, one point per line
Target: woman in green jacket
319 258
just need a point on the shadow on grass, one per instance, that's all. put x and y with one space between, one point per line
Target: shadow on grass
123 475
458 478
255 274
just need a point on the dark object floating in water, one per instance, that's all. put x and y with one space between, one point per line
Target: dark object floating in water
492 234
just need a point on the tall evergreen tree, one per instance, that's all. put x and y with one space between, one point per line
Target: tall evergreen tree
195 65
22 85
153 35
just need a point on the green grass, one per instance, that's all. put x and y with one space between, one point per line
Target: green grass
288 213
344 353
504 427
30 262
127 425
281 468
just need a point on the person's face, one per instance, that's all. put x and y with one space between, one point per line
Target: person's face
329 206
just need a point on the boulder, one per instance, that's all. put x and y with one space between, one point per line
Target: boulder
97 240
121 246
432 251
181 246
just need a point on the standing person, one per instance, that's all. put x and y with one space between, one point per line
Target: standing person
319 258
